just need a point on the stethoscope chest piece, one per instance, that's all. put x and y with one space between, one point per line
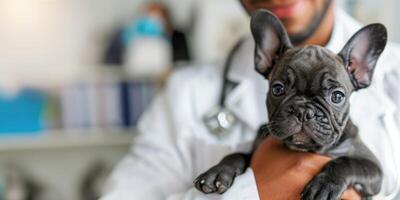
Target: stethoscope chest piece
219 121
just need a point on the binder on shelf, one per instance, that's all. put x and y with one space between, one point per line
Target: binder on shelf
105 104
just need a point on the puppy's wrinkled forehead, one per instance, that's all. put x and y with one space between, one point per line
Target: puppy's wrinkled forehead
305 66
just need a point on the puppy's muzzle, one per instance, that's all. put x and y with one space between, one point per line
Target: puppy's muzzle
302 113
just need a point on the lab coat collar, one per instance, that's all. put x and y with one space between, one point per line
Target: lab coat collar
247 101
344 27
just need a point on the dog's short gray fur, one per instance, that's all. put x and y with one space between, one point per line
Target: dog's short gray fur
308 108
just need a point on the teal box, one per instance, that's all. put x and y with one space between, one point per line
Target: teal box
22 113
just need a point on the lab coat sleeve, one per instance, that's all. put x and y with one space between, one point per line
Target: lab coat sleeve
392 81
158 166
391 87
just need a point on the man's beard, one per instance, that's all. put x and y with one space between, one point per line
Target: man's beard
312 26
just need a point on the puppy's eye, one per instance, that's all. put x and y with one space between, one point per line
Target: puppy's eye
278 89
337 97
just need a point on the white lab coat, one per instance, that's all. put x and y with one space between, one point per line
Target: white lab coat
174 146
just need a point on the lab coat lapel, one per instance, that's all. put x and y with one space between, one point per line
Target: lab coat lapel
246 101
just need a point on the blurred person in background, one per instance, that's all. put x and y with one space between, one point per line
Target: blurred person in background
180 50
174 145
154 22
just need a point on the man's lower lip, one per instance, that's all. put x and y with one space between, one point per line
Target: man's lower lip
288 10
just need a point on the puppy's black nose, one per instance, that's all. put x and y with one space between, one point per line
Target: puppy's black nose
302 113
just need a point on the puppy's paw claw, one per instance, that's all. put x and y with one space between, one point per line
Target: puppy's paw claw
324 187
215 180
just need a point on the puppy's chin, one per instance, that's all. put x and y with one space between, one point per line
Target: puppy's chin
311 135
301 142
308 137
294 136
319 134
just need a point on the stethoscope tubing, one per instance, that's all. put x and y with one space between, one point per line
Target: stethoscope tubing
226 70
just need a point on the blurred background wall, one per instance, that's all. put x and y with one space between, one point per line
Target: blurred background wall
69 106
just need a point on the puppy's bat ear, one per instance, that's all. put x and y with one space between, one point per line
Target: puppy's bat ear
271 40
361 53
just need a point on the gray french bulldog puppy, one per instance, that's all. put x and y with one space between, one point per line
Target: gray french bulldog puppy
308 108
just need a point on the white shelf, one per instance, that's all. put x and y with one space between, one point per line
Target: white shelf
71 139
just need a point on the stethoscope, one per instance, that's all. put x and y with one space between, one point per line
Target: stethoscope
220 120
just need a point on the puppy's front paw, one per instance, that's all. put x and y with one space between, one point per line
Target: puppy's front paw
216 180
324 187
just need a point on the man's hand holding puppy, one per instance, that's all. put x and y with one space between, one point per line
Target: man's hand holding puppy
282 174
